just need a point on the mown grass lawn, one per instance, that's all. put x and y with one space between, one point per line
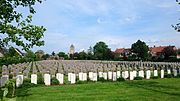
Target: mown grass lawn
143 90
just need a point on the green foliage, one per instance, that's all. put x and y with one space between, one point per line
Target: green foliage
54 81
16 27
64 55
45 57
120 79
102 52
154 77
101 79
81 82
10 85
10 76
1 93
138 78
168 75
141 50
169 51
40 78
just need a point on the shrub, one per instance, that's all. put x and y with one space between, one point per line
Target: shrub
10 85
101 79
10 76
154 77
1 94
54 81
120 79
81 82
168 75
138 78
27 80
40 79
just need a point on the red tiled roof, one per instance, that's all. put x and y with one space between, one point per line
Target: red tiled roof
122 50
159 49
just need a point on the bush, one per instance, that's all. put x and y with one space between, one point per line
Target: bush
120 79
54 81
138 78
1 94
155 77
10 76
10 85
101 79
81 82
168 75
27 80
40 79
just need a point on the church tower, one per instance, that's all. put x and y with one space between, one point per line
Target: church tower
72 49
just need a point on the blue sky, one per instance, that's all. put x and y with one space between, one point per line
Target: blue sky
119 23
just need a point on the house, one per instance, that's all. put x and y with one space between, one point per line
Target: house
156 51
122 52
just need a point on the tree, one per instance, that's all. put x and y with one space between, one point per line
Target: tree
39 54
62 54
101 51
169 52
31 55
90 55
11 52
16 28
82 56
53 53
45 56
177 26
140 49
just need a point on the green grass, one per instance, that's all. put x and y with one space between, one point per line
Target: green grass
142 90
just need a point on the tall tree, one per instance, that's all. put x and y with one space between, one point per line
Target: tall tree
177 26
169 51
101 51
62 54
39 54
140 49
16 28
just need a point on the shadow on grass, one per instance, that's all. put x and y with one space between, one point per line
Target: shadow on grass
23 90
154 86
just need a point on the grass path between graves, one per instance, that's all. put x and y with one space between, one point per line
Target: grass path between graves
143 90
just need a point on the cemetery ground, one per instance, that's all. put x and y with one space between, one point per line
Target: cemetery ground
167 89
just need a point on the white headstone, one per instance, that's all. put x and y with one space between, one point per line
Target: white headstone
105 75
81 76
100 74
73 78
47 79
84 76
19 80
69 76
4 79
148 74
114 76
169 71
34 78
118 74
126 74
91 75
109 75
131 75
94 76
123 74
175 72
60 78
135 73
155 73
162 73
141 73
